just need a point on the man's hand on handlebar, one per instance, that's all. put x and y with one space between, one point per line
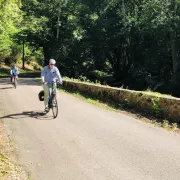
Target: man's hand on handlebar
59 83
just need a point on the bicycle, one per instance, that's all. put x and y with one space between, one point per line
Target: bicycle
52 103
14 80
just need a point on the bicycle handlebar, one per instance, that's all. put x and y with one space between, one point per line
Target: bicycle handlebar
56 82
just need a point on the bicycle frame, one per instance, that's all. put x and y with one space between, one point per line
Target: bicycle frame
12 78
51 93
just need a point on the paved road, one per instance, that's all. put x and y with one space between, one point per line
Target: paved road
85 142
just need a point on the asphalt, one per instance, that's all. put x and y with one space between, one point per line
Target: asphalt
84 142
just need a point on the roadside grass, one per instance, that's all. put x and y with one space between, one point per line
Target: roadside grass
4 71
147 92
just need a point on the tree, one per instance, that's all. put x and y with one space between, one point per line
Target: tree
10 17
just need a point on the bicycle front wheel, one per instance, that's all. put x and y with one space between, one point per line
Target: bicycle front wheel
15 82
54 107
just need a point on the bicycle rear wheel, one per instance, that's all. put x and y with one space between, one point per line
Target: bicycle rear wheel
54 107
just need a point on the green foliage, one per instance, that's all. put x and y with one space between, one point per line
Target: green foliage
131 40
165 124
10 17
137 42
174 126
156 106
95 75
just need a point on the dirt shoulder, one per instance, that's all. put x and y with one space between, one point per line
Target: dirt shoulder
9 165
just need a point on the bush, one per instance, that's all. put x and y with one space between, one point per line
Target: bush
28 62
9 60
95 75
36 67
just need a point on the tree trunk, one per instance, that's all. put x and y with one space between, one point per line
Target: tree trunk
46 52
23 64
174 54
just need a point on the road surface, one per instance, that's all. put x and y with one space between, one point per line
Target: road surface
85 142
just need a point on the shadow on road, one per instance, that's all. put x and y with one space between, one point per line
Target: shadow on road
41 115
20 82
6 88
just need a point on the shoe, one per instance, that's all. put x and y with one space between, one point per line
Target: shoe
46 109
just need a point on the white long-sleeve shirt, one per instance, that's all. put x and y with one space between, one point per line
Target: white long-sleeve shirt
49 75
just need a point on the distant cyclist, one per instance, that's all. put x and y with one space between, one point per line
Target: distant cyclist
49 75
14 73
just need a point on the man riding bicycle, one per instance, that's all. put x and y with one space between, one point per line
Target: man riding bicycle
49 75
14 73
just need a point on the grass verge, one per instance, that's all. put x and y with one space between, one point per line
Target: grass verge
4 71
147 92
